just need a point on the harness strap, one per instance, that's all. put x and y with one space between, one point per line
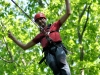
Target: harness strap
50 48
42 59
50 42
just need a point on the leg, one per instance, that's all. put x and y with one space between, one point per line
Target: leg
61 61
50 59
65 70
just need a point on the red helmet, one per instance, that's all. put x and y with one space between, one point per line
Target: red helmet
39 15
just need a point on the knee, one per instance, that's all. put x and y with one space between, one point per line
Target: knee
62 62
65 72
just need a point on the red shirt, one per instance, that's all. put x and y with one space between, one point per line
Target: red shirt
54 35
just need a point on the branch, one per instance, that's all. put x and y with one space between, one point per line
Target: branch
10 54
8 61
47 3
84 28
23 61
80 16
41 3
81 53
85 25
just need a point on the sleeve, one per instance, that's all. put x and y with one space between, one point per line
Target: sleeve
38 38
56 26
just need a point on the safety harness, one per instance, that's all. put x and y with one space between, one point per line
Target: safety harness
51 44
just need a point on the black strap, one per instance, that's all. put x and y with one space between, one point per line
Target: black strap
42 59
50 42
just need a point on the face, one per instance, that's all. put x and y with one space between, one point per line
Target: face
41 22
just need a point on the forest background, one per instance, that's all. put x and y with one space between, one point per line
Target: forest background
80 35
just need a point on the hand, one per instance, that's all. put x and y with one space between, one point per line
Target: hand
10 34
47 34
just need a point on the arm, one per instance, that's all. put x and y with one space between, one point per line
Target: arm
23 46
68 12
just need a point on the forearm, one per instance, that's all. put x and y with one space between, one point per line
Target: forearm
23 46
68 9
67 12
18 43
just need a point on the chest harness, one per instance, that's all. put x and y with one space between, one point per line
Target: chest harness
52 45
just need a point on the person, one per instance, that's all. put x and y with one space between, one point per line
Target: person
49 37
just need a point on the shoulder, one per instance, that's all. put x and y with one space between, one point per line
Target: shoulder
55 26
58 22
39 35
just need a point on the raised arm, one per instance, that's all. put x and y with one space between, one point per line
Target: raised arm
23 46
67 13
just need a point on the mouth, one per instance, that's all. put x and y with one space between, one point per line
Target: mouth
43 24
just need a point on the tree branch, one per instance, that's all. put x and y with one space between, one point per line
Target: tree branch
10 54
85 25
41 3
80 38
80 16
8 61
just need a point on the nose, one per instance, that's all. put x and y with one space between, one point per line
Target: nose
39 20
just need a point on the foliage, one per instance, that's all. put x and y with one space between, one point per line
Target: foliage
15 61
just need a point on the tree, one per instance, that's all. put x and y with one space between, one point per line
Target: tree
80 34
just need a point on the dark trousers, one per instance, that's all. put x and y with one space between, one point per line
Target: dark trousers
56 59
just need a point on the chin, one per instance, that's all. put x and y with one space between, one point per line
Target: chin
43 25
